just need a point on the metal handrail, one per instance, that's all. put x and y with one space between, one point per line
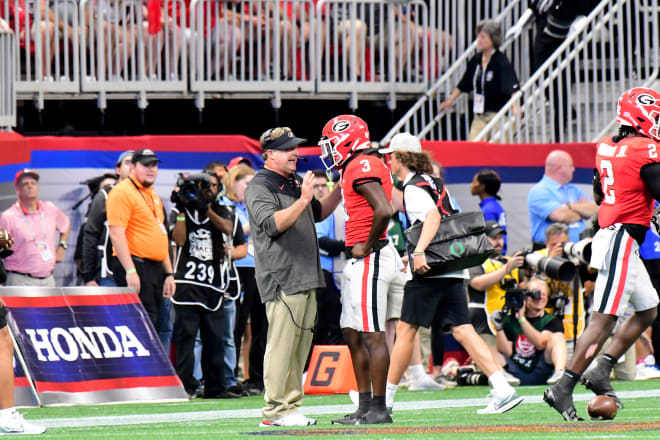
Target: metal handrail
442 82
7 81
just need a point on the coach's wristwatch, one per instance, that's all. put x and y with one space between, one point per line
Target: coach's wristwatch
63 244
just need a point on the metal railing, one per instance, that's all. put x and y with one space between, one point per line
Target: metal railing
49 43
125 50
423 119
572 97
7 81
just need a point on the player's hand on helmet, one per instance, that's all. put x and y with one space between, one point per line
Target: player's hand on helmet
307 187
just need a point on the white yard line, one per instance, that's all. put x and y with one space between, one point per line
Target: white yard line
193 416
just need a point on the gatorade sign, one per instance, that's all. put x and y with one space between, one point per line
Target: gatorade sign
330 371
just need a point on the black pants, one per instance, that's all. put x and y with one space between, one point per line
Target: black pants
187 321
152 277
328 304
251 307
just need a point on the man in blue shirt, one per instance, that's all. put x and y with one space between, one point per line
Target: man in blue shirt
555 199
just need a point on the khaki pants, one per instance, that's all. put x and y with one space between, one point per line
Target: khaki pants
479 122
17 279
287 348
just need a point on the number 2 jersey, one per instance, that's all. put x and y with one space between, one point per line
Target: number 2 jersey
363 168
626 198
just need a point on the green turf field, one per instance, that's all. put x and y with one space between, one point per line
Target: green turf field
447 414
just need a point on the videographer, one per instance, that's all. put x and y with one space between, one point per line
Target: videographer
488 283
200 282
530 339
562 294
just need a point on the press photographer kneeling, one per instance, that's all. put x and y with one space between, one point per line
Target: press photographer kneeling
530 340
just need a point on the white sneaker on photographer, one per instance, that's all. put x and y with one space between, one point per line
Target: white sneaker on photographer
426 382
13 423
499 405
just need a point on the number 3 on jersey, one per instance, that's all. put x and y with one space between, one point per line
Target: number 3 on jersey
607 180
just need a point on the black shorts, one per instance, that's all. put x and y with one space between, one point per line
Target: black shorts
435 301
3 316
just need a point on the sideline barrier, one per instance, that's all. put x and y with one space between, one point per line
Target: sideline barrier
330 371
86 346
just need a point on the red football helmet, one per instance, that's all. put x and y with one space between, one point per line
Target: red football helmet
640 108
342 136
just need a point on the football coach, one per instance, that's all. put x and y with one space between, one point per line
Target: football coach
282 211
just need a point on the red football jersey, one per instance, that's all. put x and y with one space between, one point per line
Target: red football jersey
619 164
362 169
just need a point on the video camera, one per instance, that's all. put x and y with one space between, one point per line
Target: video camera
514 298
191 190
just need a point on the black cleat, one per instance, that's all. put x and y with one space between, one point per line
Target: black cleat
374 417
350 419
597 381
562 403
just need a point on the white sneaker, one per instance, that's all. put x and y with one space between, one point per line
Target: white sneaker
15 424
513 380
555 377
425 382
644 372
501 405
293 419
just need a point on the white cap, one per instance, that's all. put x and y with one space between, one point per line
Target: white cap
403 142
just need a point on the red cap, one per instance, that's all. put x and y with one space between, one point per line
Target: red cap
238 160
25 172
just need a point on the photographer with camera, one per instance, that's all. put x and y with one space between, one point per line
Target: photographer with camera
563 295
489 282
200 281
530 339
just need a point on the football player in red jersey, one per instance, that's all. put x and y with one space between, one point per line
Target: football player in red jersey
366 185
626 181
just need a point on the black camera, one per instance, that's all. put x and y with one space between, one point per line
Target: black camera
556 268
558 301
191 191
515 298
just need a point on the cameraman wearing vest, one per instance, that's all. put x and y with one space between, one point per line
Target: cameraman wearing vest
489 282
530 339
200 282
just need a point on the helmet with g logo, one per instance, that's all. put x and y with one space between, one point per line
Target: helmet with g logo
342 136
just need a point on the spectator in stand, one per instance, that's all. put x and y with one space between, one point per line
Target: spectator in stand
97 247
34 226
136 219
489 75
239 160
531 340
330 235
486 184
250 307
555 199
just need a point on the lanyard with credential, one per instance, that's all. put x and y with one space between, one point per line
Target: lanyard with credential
28 224
483 75
151 207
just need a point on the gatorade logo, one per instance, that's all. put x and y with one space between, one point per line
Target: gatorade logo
457 249
325 367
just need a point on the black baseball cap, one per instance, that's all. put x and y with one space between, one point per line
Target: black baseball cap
285 141
145 156
493 229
